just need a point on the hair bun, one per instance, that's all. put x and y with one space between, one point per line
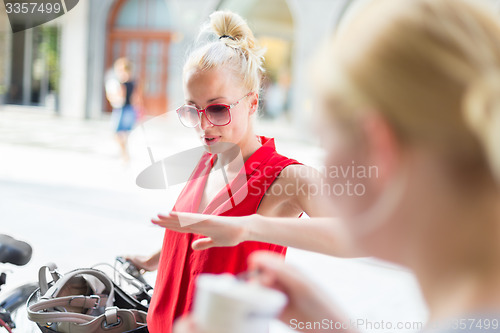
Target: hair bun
226 23
233 30
227 41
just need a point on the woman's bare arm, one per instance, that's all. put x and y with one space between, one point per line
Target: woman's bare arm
322 235
298 189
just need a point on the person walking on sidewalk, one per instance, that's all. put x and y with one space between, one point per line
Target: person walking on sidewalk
123 94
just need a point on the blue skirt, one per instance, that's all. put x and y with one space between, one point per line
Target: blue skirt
124 118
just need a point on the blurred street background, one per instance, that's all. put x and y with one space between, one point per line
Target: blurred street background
64 188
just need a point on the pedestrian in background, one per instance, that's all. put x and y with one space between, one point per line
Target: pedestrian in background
124 96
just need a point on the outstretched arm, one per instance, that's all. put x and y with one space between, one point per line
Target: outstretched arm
300 188
322 235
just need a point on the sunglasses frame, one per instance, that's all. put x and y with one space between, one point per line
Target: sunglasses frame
204 111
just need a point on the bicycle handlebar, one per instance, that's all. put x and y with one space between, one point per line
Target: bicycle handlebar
130 268
14 251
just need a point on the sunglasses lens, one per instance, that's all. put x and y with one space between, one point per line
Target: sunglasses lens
218 114
188 116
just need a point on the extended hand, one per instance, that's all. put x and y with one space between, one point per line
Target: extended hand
145 263
219 230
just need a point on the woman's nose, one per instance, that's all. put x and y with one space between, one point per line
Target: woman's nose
204 123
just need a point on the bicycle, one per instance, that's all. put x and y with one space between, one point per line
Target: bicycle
12 305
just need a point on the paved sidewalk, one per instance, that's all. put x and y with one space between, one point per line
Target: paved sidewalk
65 190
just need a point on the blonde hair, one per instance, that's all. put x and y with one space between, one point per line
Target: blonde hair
123 63
234 48
431 67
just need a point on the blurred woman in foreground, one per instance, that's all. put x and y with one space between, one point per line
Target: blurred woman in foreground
413 86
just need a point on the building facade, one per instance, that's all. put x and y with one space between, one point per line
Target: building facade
62 64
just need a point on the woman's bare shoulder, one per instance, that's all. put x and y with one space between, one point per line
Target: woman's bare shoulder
284 196
299 174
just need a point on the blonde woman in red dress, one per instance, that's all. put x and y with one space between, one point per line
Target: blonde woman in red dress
221 86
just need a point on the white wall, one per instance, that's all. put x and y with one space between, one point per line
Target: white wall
73 61
314 21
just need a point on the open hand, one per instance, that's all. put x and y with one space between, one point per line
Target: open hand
145 263
220 231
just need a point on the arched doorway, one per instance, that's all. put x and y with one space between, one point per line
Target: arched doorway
141 31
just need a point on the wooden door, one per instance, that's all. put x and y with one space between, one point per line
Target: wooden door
146 45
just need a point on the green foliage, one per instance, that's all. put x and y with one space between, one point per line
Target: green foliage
50 49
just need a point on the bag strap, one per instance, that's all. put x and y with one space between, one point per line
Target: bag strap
42 276
111 315
54 290
40 312
79 301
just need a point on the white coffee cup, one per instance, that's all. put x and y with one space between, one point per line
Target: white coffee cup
224 304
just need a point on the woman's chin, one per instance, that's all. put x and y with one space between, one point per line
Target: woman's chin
219 147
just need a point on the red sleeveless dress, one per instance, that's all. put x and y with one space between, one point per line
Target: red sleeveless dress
180 264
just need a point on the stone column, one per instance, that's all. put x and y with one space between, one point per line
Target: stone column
73 61
5 43
96 22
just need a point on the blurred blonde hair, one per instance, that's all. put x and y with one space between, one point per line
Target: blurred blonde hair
431 68
234 48
123 64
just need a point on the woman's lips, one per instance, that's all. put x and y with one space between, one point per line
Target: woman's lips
210 140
